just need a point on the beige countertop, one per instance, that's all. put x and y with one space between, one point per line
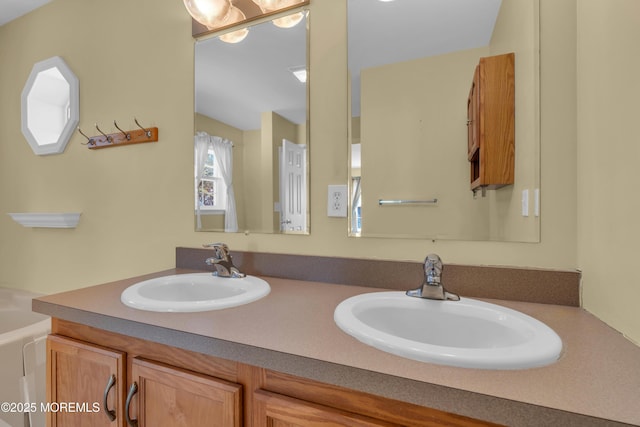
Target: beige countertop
595 382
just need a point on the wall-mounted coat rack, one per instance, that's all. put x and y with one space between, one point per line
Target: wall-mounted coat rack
122 137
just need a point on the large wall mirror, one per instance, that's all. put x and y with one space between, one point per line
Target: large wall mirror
411 64
251 95
50 106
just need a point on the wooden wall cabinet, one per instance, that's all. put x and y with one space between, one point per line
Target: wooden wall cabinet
180 388
491 123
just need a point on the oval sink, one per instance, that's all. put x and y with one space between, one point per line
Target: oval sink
466 333
194 292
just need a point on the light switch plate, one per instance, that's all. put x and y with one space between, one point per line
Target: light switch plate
525 203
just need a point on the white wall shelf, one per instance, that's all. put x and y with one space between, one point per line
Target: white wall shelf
47 220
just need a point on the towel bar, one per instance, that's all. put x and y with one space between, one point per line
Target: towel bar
407 202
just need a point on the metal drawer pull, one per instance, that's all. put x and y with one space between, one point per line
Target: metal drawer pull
133 390
110 413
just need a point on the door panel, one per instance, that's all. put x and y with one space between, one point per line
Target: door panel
78 375
293 187
275 410
173 397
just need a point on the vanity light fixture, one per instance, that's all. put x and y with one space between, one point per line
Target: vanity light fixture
220 14
234 36
288 21
235 15
273 5
211 13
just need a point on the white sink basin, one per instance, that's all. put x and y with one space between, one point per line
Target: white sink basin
194 292
466 333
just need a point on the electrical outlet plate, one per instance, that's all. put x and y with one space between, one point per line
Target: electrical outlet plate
337 201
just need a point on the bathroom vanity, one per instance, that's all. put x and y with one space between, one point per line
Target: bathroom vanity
281 361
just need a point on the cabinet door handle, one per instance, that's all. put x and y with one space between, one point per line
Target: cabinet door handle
132 390
110 413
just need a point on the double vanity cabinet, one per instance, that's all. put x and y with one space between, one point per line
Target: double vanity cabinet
282 361
140 383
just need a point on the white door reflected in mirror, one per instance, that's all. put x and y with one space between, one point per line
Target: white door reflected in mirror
50 106
293 187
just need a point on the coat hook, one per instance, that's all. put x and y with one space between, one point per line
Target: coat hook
104 134
126 135
90 141
147 132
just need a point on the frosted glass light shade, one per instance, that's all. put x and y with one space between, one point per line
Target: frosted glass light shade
208 12
289 20
235 15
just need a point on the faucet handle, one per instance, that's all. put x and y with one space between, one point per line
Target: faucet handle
431 287
221 250
222 261
432 269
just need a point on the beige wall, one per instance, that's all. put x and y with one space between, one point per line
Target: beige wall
517 29
608 153
252 195
413 138
275 128
135 59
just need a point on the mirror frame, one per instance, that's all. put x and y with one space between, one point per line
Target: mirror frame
531 232
266 18
74 106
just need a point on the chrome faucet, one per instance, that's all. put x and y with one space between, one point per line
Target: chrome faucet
222 261
431 287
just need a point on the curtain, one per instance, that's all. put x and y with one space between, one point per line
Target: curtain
223 154
354 204
201 141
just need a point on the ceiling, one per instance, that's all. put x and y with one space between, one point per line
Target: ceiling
384 32
234 83
12 9
387 32
379 33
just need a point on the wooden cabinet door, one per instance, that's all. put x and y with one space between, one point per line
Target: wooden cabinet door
276 410
491 122
173 397
79 380
473 118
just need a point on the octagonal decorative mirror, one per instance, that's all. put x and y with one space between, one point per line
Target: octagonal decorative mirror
50 106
